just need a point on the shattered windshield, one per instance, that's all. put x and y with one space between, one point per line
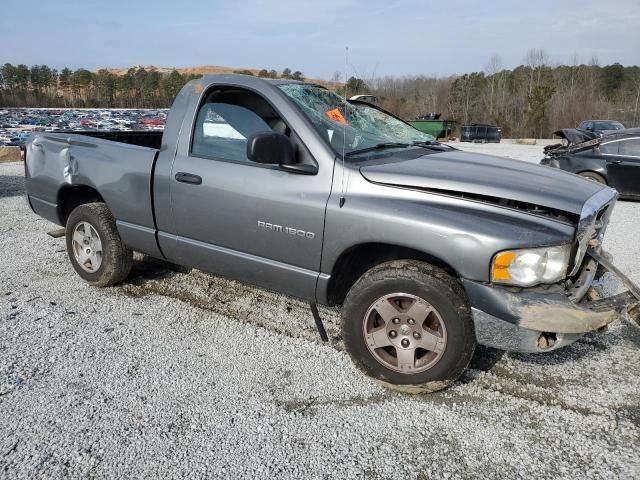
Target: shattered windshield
351 127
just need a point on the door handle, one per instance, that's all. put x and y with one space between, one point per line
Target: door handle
189 178
614 161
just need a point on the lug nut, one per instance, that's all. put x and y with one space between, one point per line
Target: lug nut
404 342
411 321
416 335
393 334
396 321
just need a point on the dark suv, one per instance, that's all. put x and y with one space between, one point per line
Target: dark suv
601 127
480 132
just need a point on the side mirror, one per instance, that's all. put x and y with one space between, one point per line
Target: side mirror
277 149
270 148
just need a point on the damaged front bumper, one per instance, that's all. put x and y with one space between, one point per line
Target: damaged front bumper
545 318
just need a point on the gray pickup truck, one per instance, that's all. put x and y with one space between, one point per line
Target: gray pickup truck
285 185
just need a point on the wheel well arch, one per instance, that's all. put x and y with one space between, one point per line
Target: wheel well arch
356 260
602 174
72 196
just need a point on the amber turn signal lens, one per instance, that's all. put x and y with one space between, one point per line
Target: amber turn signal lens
501 263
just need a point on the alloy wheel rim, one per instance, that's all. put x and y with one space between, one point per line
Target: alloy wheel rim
404 333
87 247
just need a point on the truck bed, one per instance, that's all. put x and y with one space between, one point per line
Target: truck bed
142 138
115 167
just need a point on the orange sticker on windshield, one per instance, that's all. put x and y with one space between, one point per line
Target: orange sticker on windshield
336 116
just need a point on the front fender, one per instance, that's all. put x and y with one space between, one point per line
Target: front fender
579 164
462 233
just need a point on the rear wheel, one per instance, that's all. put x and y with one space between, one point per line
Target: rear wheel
594 177
94 246
407 325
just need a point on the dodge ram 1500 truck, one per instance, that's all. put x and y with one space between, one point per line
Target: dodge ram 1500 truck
285 185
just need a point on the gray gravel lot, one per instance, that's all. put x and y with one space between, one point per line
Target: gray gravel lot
177 374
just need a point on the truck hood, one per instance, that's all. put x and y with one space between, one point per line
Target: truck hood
485 177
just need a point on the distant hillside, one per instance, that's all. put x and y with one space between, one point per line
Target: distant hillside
197 70
209 70
140 86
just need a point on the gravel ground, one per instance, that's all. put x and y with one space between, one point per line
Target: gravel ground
177 374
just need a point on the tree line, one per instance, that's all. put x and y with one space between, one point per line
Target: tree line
42 86
531 100
139 87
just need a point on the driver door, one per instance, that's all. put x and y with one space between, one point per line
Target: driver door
251 222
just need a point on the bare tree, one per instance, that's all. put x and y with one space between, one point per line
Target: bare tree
491 70
535 59
635 81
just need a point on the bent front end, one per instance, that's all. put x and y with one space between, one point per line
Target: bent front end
545 317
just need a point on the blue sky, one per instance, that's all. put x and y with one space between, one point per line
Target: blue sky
392 37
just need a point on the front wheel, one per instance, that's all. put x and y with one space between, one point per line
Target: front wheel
407 324
594 177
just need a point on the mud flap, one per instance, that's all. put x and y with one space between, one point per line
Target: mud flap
319 324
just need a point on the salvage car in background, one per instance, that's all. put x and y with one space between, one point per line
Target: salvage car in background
601 127
612 159
480 132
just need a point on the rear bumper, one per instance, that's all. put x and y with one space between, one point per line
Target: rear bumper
539 319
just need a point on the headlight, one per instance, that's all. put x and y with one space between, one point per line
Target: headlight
531 266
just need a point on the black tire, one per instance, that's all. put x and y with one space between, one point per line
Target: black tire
435 287
116 258
594 177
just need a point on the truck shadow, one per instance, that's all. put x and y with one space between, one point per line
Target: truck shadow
11 186
484 358
591 344
594 343
150 268
241 302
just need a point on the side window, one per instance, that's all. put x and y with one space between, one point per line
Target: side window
227 119
589 126
630 147
610 148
